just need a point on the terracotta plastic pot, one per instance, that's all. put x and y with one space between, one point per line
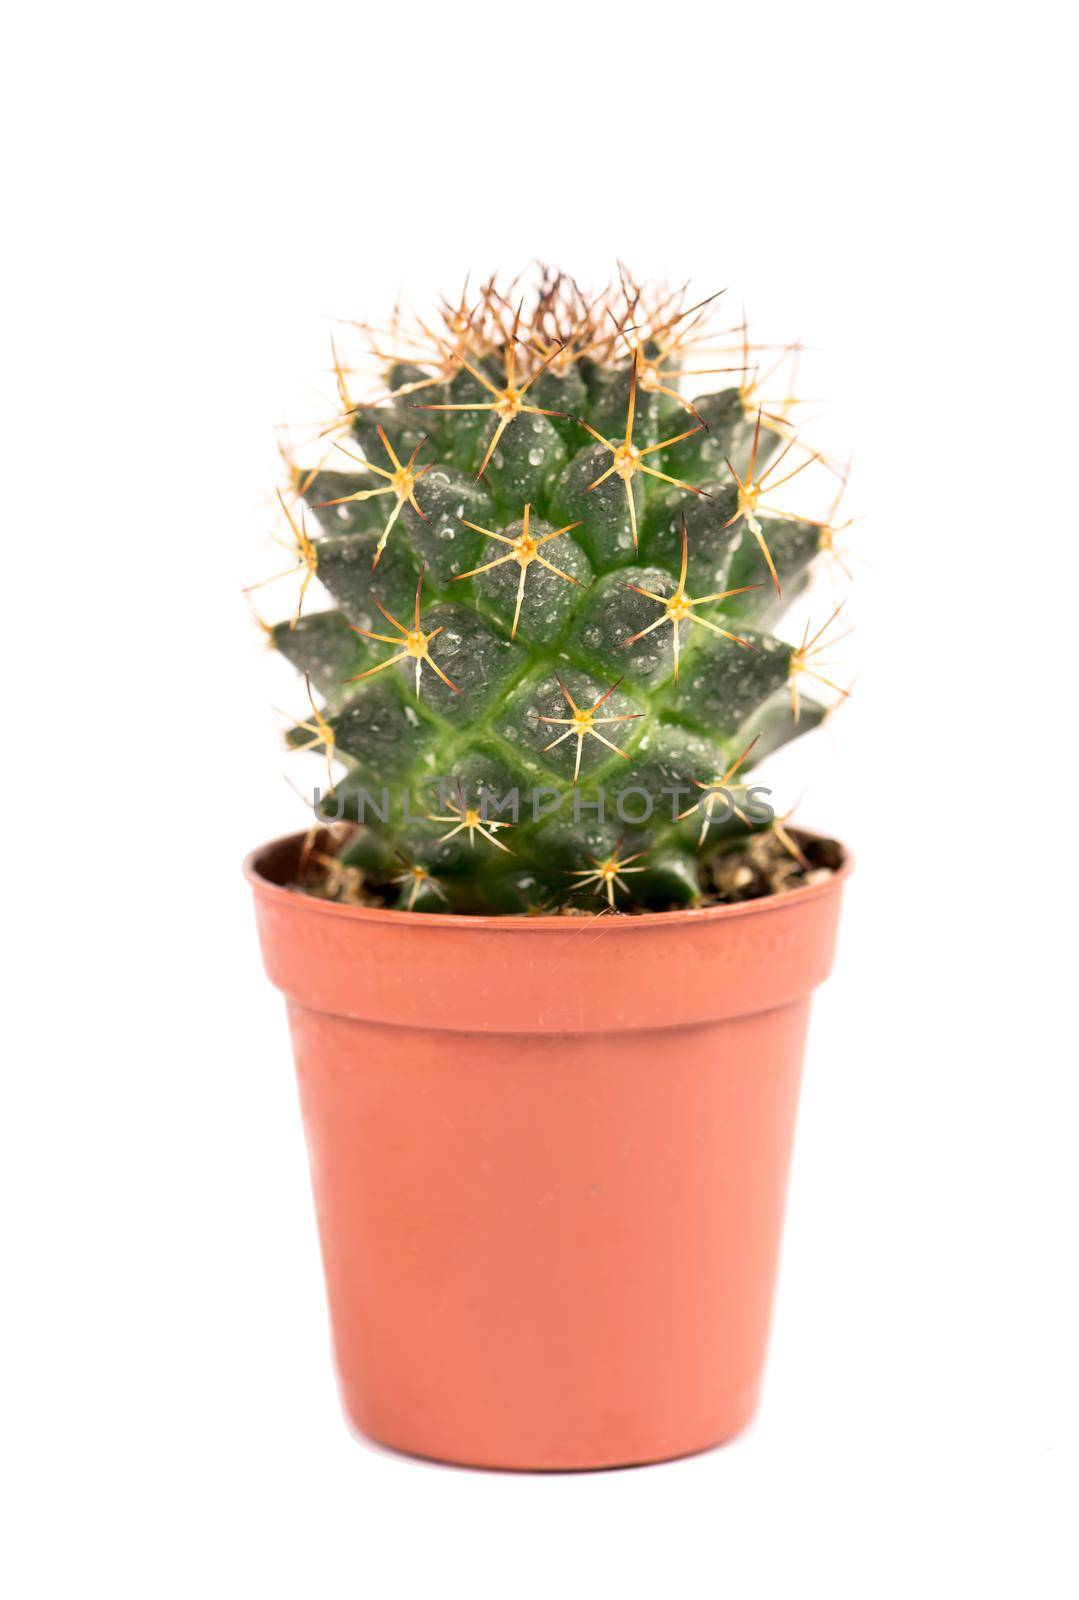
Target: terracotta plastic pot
549 1158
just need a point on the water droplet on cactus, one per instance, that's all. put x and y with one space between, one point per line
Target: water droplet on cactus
535 457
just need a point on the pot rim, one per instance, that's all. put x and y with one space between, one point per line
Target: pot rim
286 893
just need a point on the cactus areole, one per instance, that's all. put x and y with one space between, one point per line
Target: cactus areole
550 566
548 1067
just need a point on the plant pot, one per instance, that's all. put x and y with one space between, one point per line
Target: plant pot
549 1158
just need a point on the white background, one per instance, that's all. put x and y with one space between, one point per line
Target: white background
194 191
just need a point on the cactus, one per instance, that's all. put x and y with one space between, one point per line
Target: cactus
548 667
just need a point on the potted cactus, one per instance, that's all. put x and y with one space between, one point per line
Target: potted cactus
547 950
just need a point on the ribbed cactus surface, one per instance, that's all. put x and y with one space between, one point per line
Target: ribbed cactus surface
548 667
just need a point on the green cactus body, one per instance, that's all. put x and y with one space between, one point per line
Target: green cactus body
550 632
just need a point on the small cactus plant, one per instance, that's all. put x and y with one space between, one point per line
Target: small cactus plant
549 667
